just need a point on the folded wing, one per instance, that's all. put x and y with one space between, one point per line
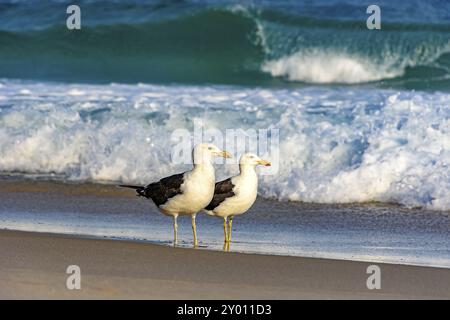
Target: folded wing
160 192
222 191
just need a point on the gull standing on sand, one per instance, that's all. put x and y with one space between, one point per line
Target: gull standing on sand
235 195
185 193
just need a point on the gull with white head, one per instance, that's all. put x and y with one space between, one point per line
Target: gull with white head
185 193
235 196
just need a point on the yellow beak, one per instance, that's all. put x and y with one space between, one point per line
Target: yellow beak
225 154
264 163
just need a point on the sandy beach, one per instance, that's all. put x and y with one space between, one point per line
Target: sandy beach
33 266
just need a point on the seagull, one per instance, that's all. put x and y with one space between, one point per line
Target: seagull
185 193
235 195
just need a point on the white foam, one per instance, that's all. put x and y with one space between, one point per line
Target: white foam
323 67
336 145
75 92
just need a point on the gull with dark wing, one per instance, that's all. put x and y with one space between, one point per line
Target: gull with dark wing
185 193
235 195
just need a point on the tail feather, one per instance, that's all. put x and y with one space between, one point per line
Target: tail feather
139 189
130 186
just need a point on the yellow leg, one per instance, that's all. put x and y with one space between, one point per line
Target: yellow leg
175 230
226 246
225 229
194 230
230 228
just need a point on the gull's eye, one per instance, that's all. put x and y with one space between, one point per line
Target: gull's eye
209 148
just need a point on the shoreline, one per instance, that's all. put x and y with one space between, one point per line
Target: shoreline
33 266
353 232
29 183
19 184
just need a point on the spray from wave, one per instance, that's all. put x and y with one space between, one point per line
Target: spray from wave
324 68
336 145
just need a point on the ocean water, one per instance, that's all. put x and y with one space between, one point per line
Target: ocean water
266 43
363 115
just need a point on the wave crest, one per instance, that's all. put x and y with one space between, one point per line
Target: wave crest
234 45
324 68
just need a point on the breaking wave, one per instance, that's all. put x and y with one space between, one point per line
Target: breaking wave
222 44
336 145
325 68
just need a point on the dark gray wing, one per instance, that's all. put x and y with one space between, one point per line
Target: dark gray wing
222 191
160 192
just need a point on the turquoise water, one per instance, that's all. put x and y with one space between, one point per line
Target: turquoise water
264 43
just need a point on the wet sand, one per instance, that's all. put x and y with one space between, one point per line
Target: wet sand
33 266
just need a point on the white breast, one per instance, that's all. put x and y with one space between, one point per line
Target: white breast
245 190
197 192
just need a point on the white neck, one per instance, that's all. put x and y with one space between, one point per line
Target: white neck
204 167
199 157
247 169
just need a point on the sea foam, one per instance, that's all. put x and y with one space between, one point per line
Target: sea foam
337 145
323 67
